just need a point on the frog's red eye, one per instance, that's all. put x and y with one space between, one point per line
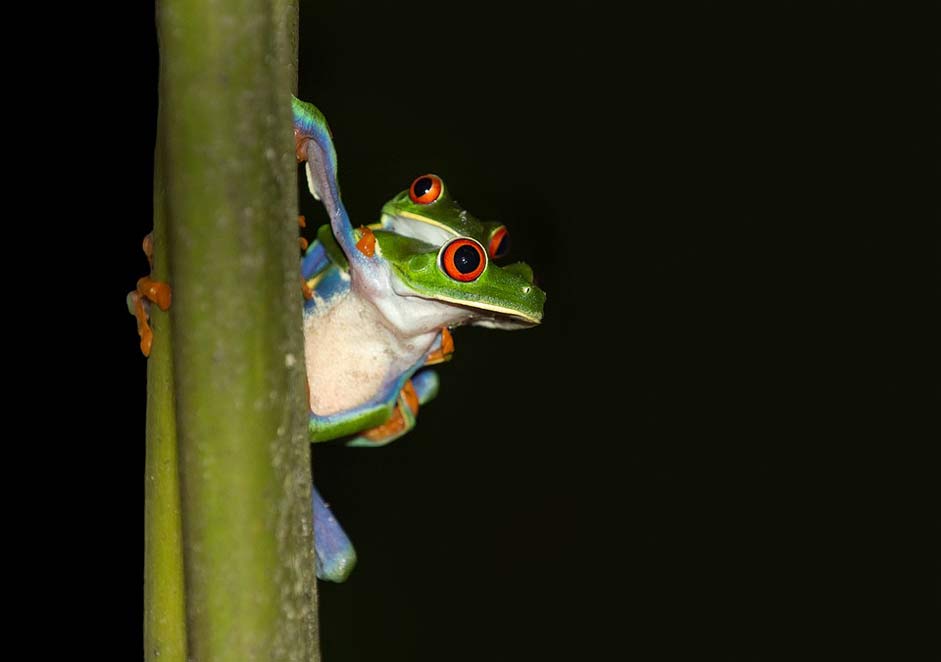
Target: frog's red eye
463 259
499 243
425 189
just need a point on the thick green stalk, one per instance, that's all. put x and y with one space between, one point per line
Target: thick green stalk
238 367
164 605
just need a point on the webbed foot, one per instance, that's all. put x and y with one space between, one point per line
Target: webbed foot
300 145
148 290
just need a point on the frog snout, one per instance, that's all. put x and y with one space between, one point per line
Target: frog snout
521 270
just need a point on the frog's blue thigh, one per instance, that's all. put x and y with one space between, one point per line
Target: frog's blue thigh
333 551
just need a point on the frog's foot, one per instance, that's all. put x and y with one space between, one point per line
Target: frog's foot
422 388
307 292
302 222
148 289
305 288
445 349
148 246
300 145
139 304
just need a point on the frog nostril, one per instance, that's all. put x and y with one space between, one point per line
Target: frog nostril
527 289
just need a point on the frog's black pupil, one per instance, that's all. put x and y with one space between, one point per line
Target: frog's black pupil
466 259
502 247
422 186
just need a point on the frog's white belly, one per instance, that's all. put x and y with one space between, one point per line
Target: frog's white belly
352 351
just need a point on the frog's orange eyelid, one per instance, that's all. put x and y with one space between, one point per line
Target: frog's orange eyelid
499 242
425 189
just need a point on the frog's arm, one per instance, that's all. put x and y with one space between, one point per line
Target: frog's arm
333 551
314 261
314 145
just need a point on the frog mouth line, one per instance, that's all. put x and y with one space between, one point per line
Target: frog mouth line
501 313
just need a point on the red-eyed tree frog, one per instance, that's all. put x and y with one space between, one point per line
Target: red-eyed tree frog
380 302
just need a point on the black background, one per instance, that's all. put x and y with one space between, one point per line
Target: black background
712 445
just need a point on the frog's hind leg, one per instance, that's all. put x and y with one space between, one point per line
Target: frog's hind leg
148 290
420 389
334 554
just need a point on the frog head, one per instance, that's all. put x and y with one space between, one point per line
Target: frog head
460 278
426 211
439 251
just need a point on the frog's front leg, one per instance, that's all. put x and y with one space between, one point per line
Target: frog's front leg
148 290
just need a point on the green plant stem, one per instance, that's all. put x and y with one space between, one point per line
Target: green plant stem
164 605
238 373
